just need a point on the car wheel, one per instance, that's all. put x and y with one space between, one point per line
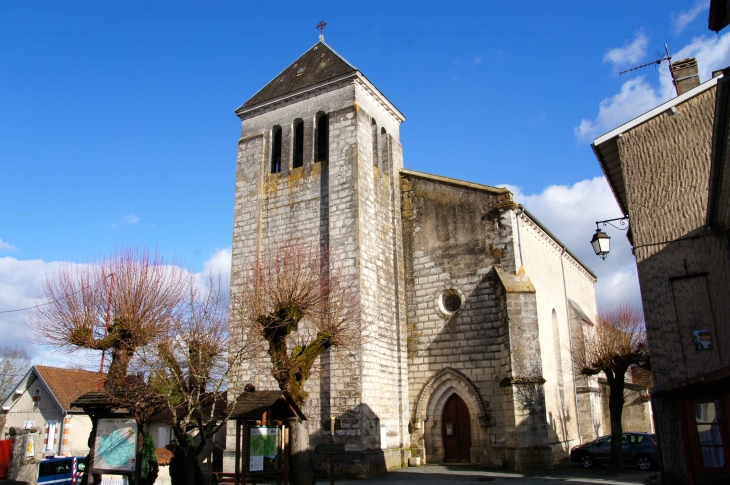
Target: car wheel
644 463
586 460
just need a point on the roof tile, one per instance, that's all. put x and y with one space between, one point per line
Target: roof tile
318 64
67 385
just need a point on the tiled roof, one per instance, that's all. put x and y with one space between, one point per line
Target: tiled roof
318 64
67 385
642 377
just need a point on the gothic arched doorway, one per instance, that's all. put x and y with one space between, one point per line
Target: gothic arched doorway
456 430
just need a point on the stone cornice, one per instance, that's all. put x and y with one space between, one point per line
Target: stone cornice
326 86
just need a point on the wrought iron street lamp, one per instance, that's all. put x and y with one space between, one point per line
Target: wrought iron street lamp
601 241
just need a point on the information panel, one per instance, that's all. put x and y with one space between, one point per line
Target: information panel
115 445
264 449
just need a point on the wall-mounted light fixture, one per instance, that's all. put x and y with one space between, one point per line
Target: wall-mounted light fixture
601 241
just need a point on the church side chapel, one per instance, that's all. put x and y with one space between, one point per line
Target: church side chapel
472 306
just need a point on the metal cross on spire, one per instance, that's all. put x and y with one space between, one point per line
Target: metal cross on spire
321 25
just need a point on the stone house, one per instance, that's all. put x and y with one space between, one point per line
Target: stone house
668 171
42 400
472 304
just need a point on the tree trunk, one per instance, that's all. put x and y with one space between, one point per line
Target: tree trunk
118 367
300 467
616 408
91 479
184 466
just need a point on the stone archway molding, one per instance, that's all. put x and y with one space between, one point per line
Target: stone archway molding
452 376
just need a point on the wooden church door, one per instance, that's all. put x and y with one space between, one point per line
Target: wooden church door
456 430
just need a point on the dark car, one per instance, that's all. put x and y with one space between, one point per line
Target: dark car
638 449
66 470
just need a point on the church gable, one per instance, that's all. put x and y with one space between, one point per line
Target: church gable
320 63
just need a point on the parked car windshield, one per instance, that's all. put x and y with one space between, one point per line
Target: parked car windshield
54 468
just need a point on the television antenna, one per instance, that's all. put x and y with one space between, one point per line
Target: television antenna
667 58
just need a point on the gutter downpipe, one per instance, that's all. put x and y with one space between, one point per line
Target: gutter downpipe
570 336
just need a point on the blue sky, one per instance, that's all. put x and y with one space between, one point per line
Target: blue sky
117 123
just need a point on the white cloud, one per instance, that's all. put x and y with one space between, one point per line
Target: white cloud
571 212
131 219
683 19
712 53
4 246
21 282
217 266
635 98
637 95
630 53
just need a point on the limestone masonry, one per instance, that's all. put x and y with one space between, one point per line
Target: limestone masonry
472 305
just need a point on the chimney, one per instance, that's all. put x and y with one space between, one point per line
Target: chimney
685 75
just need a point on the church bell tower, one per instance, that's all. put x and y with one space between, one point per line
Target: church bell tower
319 161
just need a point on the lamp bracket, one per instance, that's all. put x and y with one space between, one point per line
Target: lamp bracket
623 222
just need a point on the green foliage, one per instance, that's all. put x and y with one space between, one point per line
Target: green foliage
149 455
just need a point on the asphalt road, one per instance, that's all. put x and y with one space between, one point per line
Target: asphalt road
474 475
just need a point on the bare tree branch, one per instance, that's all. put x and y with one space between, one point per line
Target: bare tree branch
615 343
299 306
141 293
14 362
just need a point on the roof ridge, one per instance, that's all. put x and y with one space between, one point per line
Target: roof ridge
336 53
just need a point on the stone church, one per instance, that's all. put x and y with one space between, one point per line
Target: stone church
473 305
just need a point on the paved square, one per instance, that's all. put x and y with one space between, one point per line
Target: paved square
475 475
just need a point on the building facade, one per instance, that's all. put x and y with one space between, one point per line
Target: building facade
667 171
42 400
472 305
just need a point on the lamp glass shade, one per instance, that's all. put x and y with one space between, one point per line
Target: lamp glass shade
601 243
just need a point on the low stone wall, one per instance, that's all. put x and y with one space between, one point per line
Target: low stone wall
361 464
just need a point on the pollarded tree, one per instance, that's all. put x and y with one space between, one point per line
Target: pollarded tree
136 294
294 302
617 341
188 368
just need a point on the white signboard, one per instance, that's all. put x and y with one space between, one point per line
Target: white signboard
115 445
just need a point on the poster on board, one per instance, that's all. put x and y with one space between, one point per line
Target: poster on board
263 449
702 340
115 446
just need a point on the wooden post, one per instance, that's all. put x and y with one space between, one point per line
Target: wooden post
92 444
332 455
281 452
238 454
286 455
246 450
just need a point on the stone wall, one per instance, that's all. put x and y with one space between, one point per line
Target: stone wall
636 415
455 234
565 296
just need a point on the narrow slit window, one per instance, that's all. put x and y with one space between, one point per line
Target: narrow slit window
276 150
384 158
298 144
323 135
375 143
